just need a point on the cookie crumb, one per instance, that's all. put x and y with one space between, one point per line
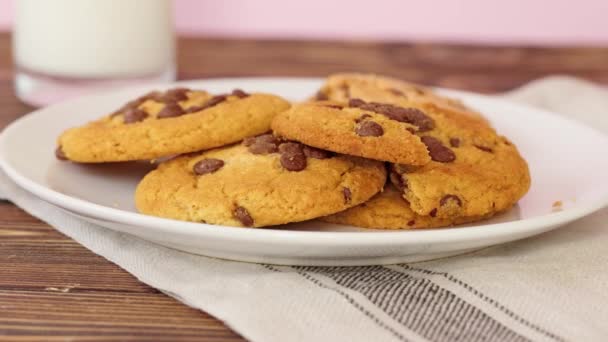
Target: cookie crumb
557 206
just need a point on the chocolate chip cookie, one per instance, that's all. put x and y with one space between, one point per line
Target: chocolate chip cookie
263 181
172 122
472 171
345 86
371 130
468 176
388 210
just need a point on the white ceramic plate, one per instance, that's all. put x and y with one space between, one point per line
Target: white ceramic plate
568 162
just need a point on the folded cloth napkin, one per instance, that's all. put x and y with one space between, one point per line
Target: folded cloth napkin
553 287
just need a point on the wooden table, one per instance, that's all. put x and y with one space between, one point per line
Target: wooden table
51 288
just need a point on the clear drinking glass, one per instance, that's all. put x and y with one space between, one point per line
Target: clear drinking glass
64 48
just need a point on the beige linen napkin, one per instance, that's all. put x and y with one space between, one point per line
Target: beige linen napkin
552 287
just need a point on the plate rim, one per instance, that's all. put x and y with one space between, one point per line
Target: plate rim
319 238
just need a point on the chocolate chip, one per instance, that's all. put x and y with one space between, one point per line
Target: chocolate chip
59 154
174 95
454 142
134 115
293 160
347 195
369 129
316 153
484 148
362 118
154 95
249 141
171 110
412 116
207 166
291 147
398 180
292 156
214 101
355 102
262 144
433 212
267 138
321 96
452 198
411 223
437 150
411 130
335 106
239 93
243 216
136 103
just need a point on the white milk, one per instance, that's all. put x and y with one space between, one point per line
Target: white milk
99 39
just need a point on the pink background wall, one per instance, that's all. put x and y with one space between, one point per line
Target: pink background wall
548 22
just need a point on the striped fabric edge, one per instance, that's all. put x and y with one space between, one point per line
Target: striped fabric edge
411 305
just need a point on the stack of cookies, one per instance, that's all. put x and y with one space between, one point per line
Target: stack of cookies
367 151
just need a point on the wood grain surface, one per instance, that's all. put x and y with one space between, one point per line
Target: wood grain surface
52 289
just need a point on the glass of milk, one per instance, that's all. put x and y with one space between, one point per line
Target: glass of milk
64 48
